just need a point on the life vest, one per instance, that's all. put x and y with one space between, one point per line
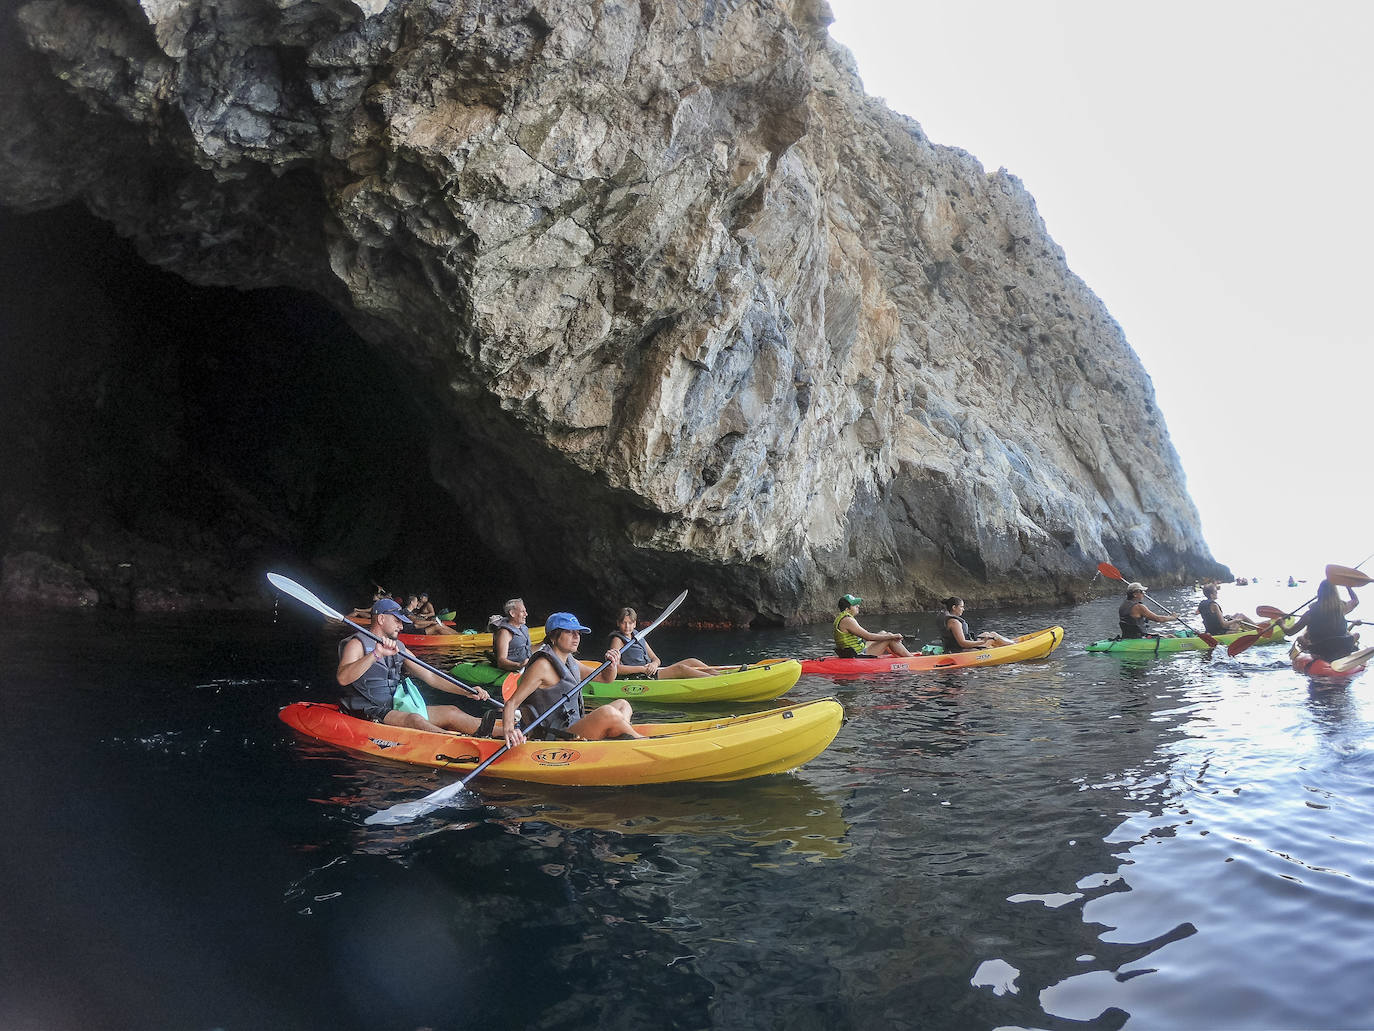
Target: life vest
370 695
632 653
947 637
541 700
1210 612
1132 626
846 642
1329 634
518 647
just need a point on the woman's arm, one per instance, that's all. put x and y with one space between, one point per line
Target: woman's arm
616 635
1144 611
536 675
956 627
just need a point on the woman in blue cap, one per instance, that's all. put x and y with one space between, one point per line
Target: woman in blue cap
852 641
550 681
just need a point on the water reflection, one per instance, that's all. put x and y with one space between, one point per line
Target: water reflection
783 814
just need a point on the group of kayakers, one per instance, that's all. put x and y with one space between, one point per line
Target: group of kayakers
418 609
370 671
1322 630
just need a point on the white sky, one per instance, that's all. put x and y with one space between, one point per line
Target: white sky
1205 165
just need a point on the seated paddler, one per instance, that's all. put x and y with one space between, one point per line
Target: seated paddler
852 641
638 661
1214 621
552 679
1134 616
371 671
1323 629
955 635
510 636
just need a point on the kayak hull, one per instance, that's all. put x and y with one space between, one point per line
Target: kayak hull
1027 646
1187 643
466 641
1311 666
723 749
758 682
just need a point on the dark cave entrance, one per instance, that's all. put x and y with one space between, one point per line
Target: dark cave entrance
167 443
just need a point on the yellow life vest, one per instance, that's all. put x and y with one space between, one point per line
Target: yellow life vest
843 638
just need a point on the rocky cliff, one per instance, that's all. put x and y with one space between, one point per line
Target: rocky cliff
686 306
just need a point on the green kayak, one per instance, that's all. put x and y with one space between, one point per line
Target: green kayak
1182 642
483 673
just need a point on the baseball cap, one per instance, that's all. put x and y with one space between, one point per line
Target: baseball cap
850 599
389 607
1136 585
565 621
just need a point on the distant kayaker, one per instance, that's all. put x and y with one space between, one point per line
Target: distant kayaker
1328 636
425 624
1214 621
955 636
1133 615
365 611
852 641
552 673
638 661
510 636
425 608
370 672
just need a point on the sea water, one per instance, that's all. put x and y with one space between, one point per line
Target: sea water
1089 841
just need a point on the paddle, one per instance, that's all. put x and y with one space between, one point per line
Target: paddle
1339 576
1112 573
1351 661
404 812
288 586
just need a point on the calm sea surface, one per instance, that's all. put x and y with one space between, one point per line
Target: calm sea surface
1083 842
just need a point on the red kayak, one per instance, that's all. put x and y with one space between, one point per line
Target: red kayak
1350 666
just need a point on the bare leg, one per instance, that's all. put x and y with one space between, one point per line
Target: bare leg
441 718
685 669
610 721
887 648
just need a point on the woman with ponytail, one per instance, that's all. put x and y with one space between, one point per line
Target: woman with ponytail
955 635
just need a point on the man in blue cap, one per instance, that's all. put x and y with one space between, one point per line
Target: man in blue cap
550 681
370 671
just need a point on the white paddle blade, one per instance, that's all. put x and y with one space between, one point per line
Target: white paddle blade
1354 661
288 586
455 795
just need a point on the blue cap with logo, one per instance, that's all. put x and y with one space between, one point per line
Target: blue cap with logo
565 621
389 607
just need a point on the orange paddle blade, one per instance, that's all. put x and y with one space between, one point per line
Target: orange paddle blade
1344 576
1110 571
1241 643
1269 612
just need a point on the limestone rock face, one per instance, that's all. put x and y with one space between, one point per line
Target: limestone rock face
690 308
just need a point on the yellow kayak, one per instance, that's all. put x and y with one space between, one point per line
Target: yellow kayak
726 748
473 641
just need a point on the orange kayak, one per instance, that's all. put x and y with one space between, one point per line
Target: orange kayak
726 748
